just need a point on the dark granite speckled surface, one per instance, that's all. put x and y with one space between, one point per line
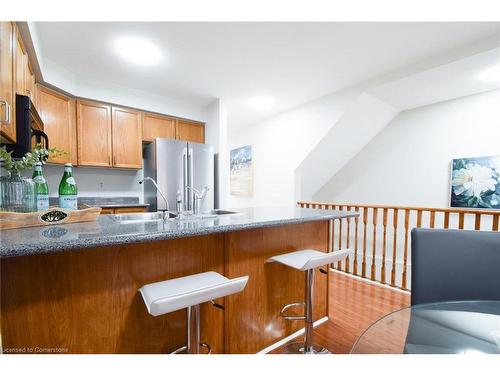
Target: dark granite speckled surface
106 231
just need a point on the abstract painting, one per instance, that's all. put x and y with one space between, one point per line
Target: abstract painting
241 172
475 182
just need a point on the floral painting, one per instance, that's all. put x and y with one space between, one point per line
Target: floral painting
241 172
475 182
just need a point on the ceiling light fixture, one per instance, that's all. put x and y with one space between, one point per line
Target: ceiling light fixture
138 51
262 103
491 74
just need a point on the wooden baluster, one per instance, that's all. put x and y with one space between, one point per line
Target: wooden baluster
356 220
494 225
446 220
339 264
432 219
477 222
384 243
363 264
347 264
373 273
461 220
419 218
405 256
394 246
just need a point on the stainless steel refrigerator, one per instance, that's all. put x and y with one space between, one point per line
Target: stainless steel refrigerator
175 165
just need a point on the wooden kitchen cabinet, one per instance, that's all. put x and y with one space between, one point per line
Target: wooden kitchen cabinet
190 131
7 89
108 136
59 117
127 138
154 125
93 124
20 64
31 87
129 210
122 210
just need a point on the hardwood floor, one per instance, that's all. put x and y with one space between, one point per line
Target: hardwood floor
353 305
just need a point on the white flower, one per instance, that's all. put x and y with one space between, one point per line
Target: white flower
473 180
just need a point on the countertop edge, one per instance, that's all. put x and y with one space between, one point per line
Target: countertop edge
125 239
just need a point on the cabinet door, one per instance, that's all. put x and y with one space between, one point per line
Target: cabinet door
190 131
129 210
30 84
93 123
157 126
58 115
127 138
7 102
21 64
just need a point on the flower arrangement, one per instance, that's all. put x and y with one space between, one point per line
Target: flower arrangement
29 160
476 182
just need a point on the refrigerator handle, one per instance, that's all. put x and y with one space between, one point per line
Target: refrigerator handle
190 176
185 180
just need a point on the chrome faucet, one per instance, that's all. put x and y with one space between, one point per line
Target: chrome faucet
198 197
166 213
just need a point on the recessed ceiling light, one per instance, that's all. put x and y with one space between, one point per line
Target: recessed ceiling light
491 74
138 50
262 103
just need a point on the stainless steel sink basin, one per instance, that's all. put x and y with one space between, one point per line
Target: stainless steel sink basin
157 216
143 216
223 212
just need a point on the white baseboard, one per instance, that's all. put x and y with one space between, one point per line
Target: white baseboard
370 281
291 337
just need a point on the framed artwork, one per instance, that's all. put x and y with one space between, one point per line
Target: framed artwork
475 182
241 172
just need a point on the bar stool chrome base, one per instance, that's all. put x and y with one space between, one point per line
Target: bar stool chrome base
299 348
306 260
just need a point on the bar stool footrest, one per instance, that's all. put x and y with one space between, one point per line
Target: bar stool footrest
284 309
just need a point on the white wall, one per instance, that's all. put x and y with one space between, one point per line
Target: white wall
408 163
282 142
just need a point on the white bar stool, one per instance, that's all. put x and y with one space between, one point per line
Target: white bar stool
307 260
189 292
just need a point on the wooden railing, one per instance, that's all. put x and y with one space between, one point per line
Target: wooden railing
380 236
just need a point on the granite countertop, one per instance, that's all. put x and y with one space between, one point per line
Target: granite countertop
106 231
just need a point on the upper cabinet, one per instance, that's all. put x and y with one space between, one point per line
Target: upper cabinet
154 125
126 134
7 88
190 131
108 136
93 123
59 118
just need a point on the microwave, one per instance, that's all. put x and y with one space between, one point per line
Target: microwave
29 128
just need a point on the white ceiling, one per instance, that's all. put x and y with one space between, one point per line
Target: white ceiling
291 62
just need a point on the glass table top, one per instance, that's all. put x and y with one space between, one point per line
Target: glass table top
462 327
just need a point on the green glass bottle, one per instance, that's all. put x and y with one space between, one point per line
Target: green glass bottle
68 192
41 188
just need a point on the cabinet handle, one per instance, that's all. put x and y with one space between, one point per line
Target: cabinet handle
114 160
6 120
109 160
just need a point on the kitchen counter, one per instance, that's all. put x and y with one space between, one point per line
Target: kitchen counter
106 231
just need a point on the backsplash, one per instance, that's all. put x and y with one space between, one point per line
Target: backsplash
98 182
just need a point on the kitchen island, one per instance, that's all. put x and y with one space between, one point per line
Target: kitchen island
73 288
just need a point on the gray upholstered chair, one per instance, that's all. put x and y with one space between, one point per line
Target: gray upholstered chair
452 265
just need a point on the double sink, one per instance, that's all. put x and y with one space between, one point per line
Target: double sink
156 216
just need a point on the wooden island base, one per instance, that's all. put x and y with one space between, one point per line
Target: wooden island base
87 301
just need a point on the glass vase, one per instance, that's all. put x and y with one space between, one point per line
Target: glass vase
17 193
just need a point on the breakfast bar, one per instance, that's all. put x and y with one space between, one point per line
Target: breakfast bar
74 288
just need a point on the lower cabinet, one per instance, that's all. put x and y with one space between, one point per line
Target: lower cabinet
122 210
